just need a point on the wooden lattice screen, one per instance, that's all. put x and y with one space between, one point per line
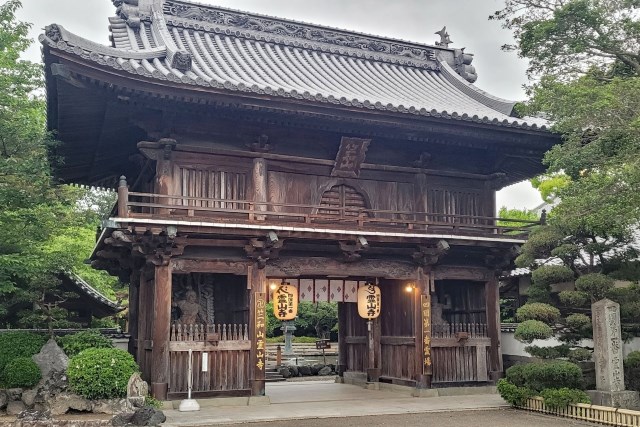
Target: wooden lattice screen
342 196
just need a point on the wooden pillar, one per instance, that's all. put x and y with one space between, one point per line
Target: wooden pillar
421 197
257 282
260 191
160 335
164 173
493 327
145 313
132 322
342 338
422 329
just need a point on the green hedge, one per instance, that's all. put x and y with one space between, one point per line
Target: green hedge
557 398
539 376
21 372
19 344
514 395
101 373
530 330
595 285
538 311
75 343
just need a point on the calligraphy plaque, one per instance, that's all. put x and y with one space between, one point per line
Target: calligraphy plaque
350 157
369 301
425 309
261 329
285 302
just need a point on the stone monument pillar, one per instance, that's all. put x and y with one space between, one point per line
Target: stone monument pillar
288 328
608 358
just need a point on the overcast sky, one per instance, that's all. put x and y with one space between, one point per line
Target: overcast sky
499 73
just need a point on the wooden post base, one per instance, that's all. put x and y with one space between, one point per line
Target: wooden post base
373 375
340 369
423 381
257 387
160 390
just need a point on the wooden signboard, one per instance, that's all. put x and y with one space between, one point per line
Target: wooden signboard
369 301
261 328
425 305
350 157
285 302
322 344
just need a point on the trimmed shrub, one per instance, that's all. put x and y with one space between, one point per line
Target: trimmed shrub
554 352
538 376
595 285
75 343
632 371
530 330
578 321
580 355
21 372
514 395
574 299
101 373
548 275
538 311
19 344
558 398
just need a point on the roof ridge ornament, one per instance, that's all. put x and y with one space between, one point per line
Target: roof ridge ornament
445 40
128 11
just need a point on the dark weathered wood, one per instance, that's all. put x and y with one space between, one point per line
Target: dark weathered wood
342 338
257 281
160 335
260 191
134 301
123 196
493 326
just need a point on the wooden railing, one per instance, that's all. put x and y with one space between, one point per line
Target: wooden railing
147 205
592 413
227 347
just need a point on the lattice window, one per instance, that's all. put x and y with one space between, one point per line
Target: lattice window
343 201
454 203
212 184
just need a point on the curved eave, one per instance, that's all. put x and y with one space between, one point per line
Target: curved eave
134 68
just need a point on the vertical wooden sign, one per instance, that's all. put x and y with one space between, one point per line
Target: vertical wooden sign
425 308
260 328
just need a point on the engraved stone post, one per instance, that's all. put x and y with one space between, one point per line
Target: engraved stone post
608 357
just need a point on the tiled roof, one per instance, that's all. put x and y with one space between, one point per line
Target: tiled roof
206 46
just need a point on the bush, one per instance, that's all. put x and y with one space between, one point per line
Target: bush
574 298
514 395
548 275
595 285
632 371
19 344
580 355
558 398
632 360
75 343
538 376
530 330
101 373
554 352
21 372
578 321
541 294
538 311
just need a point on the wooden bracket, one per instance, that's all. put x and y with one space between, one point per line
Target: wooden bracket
262 250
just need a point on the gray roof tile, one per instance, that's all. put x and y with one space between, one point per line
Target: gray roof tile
224 49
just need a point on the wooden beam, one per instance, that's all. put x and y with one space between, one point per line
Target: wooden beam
493 328
186 265
260 193
342 335
257 283
132 321
160 335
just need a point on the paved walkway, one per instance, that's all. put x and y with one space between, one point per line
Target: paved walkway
305 400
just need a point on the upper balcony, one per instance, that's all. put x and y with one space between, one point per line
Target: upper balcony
136 207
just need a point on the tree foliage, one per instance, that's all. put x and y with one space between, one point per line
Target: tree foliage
568 37
43 225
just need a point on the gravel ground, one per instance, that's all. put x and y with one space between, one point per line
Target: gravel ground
488 418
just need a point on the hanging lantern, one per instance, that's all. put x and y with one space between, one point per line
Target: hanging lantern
369 299
285 301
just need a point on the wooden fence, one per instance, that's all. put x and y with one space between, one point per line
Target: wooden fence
227 347
592 413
